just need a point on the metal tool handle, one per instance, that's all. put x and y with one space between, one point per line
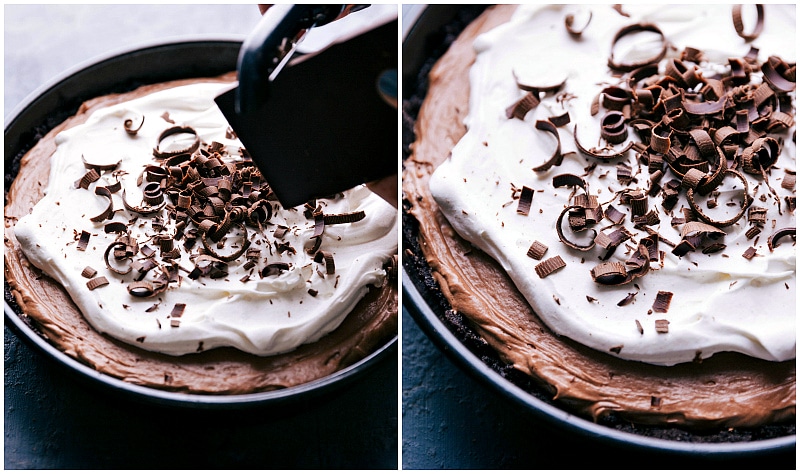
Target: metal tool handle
267 49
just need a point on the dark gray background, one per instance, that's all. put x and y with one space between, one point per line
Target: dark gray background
53 420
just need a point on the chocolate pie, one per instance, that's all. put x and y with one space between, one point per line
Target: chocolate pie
142 241
595 193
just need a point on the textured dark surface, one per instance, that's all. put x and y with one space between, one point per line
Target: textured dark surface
54 420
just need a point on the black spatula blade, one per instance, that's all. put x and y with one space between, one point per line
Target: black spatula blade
324 127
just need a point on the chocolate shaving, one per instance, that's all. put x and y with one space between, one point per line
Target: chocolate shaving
569 23
692 178
738 24
319 224
601 156
109 210
789 180
567 179
245 244
611 241
614 215
177 310
609 273
560 120
153 195
520 108
636 28
160 154
772 242
327 257
661 305
752 232
83 241
525 200
96 282
563 239
144 210
684 246
757 215
660 139
638 205
552 264
662 326
613 128
280 231
118 245
115 228
760 156
88 272
714 248
556 158
209 266
90 177
628 299
774 78
537 250
701 228
129 126
100 168
616 99
746 201
332 219
749 253
274 269
141 289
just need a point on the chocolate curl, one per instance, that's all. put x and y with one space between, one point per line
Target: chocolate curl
569 23
159 154
243 246
613 128
738 24
130 128
636 28
566 241
108 213
601 156
327 258
747 200
774 238
556 158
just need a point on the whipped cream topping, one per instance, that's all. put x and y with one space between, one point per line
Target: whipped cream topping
721 301
262 315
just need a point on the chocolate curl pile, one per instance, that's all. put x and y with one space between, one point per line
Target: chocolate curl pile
210 200
694 133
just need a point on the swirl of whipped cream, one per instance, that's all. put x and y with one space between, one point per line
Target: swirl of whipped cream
262 315
722 301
